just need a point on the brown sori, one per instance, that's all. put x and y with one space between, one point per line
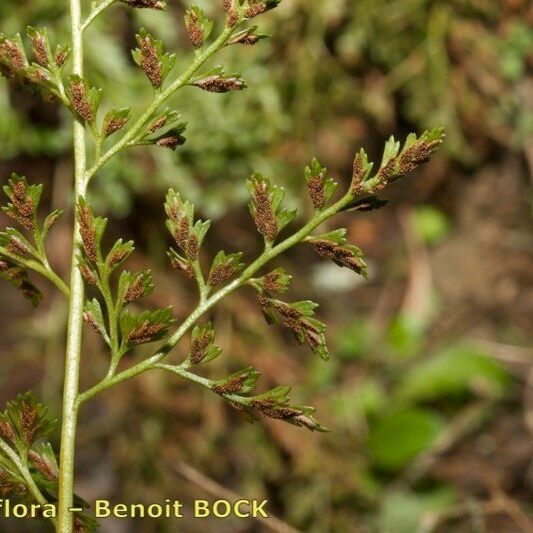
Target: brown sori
231 386
414 156
22 201
297 323
264 218
114 125
270 409
89 318
317 191
88 232
148 4
39 50
255 10
17 247
218 84
7 431
168 142
157 124
145 333
12 55
150 62
193 248
88 275
117 257
183 267
60 58
28 417
135 290
79 101
195 30
198 348
358 174
339 254
41 465
271 281
221 273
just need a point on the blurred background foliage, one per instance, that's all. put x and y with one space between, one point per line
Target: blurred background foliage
429 393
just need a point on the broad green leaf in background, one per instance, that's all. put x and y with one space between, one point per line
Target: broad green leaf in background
404 512
400 436
456 371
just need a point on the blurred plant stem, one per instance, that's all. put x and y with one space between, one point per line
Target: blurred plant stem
75 316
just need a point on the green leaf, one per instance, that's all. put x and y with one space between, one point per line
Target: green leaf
224 267
133 286
152 59
94 317
198 26
218 81
276 281
84 98
25 421
272 404
50 220
92 231
265 207
404 511
114 121
118 254
187 234
42 52
362 169
240 383
203 349
395 163
15 243
400 436
248 36
333 246
298 317
455 371
149 326
406 334
319 185
165 131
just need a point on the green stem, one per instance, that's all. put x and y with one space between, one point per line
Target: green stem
95 12
113 323
75 315
25 473
43 269
203 307
183 373
203 289
159 99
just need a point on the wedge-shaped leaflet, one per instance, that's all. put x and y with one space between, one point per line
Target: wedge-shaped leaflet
319 185
152 58
334 246
149 326
299 318
203 347
265 207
